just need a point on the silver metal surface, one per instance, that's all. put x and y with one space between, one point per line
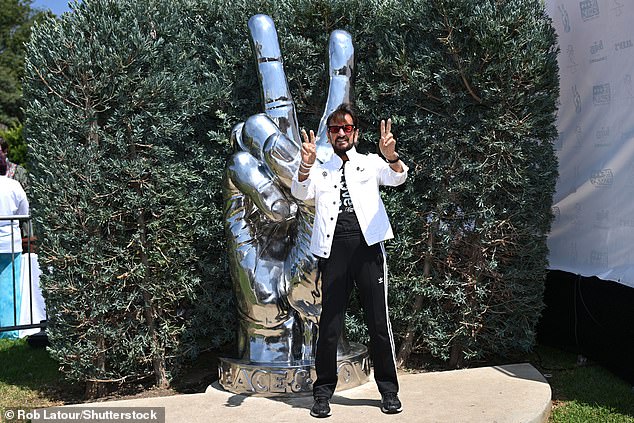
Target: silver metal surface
268 231
341 71
241 377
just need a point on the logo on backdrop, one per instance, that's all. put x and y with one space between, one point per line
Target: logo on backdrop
626 222
572 63
579 137
602 219
589 9
565 19
595 49
599 258
576 98
601 94
617 7
603 178
602 137
621 45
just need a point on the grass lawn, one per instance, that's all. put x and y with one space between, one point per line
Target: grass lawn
581 393
29 377
585 393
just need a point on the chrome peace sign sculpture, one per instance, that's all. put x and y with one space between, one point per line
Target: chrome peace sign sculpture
275 276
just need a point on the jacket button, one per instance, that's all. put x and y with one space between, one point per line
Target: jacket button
335 186
334 202
332 218
327 236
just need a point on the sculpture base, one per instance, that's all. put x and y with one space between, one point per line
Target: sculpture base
272 379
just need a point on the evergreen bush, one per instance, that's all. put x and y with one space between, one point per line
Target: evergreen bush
130 104
122 100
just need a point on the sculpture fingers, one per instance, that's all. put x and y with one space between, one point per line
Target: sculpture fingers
301 274
256 273
266 142
341 68
248 263
278 102
235 139
254 181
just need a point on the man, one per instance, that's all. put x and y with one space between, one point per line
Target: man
348 233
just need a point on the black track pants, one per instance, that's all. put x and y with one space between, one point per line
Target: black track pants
353 261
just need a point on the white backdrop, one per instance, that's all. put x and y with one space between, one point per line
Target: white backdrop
593 231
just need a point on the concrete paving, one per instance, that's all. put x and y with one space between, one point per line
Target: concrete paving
515 393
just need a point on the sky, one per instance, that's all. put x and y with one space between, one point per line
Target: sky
56 6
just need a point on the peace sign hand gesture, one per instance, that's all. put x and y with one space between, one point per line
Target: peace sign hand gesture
387 142
308 153
309 149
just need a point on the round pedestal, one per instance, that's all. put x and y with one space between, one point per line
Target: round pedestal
271 379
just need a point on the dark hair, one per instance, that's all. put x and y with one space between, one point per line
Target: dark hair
4 145
3 164
341 112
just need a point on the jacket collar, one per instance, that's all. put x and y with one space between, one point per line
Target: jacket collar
336 162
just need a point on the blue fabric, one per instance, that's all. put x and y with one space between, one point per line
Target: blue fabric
9 267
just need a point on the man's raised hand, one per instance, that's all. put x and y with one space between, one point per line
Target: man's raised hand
387 143
309 150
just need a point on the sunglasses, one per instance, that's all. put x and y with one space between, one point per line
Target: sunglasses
334 129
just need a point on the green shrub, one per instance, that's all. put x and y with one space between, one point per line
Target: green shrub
122 99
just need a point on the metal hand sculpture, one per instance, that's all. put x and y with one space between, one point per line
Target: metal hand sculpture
274 274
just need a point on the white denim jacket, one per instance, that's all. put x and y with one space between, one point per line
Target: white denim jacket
364 174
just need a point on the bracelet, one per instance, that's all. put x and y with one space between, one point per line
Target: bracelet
393 161
304 165
303 173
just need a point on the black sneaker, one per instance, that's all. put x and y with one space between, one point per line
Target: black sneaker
321 408
390 404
